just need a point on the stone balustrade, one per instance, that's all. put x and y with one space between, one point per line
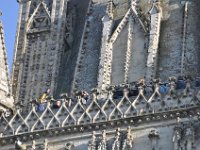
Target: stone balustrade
137 100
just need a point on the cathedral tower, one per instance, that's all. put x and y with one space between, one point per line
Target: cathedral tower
40 45
141 57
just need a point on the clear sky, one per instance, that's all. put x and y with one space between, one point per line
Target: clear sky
9 8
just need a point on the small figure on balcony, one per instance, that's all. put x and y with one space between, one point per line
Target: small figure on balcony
42 101
84 97
44 97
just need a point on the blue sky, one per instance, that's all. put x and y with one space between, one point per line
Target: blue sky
9 19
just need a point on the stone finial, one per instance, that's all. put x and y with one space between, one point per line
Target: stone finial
141 85
157 85
172 83
110 91
104 135
45 144
93 136
33 146
129 137
133 3
188 86
126 91
94 93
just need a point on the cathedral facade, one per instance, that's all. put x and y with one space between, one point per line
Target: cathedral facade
102 75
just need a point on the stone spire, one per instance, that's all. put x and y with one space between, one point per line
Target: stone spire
5 100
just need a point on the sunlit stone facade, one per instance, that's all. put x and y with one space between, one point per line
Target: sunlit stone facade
129 67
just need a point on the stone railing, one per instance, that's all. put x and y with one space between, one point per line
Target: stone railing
117 103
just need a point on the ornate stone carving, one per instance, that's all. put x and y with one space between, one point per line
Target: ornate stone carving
177 138
102 145
92 144
128 141
116 143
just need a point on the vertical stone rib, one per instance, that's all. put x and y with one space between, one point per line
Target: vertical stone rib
129 47
15 64
4 58
156 14
104 77
184 37
4 76
23 69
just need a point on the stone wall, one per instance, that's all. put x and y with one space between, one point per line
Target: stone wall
178 51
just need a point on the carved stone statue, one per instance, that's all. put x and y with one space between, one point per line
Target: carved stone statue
172 83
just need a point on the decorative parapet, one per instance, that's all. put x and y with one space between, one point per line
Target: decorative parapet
123 104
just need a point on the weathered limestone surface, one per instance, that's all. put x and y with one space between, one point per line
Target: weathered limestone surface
118 48
69 59
171 48
6 101
153 121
